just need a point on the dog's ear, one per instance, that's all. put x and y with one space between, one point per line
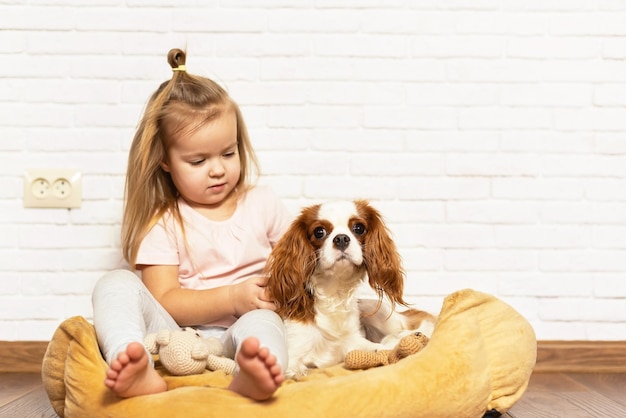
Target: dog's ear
382 260
289 268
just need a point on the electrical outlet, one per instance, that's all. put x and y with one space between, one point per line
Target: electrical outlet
53 188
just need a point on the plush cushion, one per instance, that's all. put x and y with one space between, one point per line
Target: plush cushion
479 358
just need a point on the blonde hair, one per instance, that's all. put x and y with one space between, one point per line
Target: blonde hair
178 103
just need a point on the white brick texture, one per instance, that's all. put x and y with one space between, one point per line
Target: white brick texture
491 134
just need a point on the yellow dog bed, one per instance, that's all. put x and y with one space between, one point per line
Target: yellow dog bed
478 360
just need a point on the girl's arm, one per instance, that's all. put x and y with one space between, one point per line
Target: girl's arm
196 307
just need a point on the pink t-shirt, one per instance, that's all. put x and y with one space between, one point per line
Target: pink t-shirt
218 253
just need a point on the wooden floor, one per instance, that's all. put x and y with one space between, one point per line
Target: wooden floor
22 395
566 395
573 395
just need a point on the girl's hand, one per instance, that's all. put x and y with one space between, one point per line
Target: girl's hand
250 295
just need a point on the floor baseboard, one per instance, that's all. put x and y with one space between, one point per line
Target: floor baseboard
581 356
22 356
552 356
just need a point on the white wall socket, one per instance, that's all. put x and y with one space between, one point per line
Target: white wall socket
53 188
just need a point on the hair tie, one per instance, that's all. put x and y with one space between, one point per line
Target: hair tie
180 68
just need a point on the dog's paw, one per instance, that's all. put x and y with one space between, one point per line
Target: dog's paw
296 371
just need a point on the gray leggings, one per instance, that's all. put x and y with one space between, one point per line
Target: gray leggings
124 311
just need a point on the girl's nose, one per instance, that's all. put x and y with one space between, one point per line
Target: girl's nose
216 169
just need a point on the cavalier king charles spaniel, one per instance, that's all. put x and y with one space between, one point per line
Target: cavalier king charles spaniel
315 272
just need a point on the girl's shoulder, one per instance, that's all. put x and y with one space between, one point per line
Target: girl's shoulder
261 201
260 193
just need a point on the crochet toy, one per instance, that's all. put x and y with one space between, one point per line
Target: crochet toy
185 352
411 344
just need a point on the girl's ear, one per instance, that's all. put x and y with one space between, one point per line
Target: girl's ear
165 166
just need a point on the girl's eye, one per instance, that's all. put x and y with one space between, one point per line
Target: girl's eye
319 232
196 162
229 154
358 228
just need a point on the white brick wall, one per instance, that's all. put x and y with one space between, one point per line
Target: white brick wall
492 134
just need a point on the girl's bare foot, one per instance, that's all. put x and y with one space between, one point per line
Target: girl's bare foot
131 374
259 375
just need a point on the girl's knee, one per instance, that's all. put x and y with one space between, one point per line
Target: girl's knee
117 279
264 315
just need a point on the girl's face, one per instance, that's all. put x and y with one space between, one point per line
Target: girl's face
205 166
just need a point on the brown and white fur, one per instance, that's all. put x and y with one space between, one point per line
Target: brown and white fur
314 275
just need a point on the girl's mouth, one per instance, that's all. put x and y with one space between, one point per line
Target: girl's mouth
217 187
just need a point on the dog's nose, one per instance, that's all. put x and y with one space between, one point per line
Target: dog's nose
341 241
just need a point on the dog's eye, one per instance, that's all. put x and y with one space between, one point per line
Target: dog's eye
358 228
319 232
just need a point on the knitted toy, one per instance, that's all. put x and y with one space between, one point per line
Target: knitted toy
184 352
411 344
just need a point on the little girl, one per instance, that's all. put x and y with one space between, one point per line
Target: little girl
199 235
